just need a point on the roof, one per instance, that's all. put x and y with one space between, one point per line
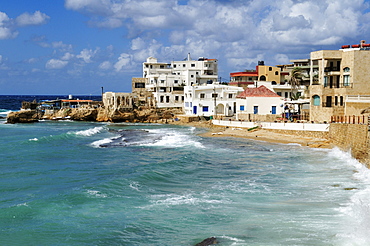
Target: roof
261 91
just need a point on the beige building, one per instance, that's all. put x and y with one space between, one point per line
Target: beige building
343 84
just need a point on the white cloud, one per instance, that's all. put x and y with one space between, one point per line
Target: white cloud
106 65
87 55
27 19
123 61
6 28
56 64
67 56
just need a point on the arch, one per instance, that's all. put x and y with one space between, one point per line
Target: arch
316 100
273 83
346 69
263 78
220 109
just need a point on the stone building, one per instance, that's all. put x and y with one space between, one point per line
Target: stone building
343 85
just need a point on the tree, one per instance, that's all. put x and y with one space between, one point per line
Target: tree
295 82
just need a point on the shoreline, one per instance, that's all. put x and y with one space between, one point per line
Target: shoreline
257 134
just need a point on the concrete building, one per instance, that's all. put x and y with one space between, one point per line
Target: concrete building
211 100
167 80
261 73
253 103
343 85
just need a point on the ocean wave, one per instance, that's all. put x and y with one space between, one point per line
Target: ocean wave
355 212
102 142
174 139
90 132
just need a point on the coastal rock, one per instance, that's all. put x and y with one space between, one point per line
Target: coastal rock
83 114
207 242
23 116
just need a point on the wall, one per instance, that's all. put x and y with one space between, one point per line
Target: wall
353 138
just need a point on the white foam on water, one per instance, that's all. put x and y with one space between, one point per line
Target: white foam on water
135 186
33 139
98 143
174 139
90 132
356 212
185 199
96 193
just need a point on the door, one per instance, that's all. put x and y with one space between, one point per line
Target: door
195 110
255 109
273 110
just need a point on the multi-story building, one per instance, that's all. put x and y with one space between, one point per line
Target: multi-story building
167 80
261 73
211 100
343 85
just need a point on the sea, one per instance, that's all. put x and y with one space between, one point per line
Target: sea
89 183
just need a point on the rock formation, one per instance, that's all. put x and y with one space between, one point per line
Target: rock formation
23 116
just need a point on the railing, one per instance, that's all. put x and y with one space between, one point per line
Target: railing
351 119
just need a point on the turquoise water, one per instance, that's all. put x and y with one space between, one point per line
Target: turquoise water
82 183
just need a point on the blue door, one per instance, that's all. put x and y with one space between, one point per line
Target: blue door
194 109
273 110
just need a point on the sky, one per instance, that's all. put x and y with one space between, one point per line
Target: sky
62 47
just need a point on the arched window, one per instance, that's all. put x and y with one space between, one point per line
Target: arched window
276 73
263 78
316 100
273 83
346 69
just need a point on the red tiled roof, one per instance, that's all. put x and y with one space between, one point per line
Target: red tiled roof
261 91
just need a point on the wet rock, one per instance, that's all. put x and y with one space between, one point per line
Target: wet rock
207 241
23 116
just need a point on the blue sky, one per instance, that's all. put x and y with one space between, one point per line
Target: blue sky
78 46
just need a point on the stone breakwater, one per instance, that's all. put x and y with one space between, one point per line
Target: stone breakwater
92 114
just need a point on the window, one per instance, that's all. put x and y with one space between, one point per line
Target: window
167 99
255 109
328 101
186 104
161 99
184 65
176 98
241 107
270 68
263 78
174 65
205 108
192 76
276 73
341 101
316 100
230 95
279 93
161 66
202 95
214 95
325 81
176 81
192 65
139 85
335 100
346 80
346 70
162 81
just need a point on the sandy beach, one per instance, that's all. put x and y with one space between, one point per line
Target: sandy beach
257 134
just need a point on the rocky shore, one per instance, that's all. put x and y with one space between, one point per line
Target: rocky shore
92 114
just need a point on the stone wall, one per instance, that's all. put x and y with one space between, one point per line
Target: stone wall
353 138
310 134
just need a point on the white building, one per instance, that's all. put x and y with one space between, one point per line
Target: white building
211 99
167 80
259 101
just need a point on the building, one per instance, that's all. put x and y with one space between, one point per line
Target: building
167 80
343 85
214 100
259 104
261 73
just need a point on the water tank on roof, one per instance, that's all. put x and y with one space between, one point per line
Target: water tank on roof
261 63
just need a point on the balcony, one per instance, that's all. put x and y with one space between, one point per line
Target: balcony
332 70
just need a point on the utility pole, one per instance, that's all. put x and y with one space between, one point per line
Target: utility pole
214 100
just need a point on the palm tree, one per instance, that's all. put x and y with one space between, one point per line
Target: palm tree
295 82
